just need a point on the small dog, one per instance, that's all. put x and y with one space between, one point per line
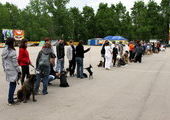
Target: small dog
90 72
125 57
100 64
26 90
63 79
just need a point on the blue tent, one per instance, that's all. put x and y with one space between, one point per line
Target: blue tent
114 38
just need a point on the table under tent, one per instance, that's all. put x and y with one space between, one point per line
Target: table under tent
100 41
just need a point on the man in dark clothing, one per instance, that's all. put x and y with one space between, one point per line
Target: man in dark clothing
103 52
79 59
115 53
138 53
60 56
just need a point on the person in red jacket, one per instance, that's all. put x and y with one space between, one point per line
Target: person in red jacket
24 60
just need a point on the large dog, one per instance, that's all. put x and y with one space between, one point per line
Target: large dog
27 90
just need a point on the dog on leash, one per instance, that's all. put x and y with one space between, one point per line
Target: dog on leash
90 71
63 79
27 90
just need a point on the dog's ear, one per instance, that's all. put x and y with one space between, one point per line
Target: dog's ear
91 66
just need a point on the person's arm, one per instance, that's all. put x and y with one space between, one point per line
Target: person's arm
86 50
59 52
57 49
37 60
69 53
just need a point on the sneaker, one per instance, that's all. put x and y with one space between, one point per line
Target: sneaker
12 103
45 93
37 93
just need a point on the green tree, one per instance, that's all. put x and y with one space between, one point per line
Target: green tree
89 22
165 7
139 18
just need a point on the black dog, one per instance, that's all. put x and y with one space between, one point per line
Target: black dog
26 90
100 64
63 79
90 71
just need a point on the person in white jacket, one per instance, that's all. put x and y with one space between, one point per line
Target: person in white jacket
108 56
71 51
11 68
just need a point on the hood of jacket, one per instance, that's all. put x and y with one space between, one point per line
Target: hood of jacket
46 50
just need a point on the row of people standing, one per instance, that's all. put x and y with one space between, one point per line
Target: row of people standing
116 53
44 63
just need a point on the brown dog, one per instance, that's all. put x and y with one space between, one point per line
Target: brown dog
26 90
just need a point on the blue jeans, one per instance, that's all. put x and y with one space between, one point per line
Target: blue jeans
60 65
43 75
12 87
51 78
79 62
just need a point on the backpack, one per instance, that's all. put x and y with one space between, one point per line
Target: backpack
44 60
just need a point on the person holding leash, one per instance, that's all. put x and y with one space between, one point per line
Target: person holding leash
24 60
43 66
79 59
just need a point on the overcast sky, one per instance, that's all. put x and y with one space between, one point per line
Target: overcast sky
81 3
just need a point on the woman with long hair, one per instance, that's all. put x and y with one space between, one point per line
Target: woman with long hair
24 60
11 68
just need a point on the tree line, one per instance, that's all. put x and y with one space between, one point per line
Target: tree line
51 18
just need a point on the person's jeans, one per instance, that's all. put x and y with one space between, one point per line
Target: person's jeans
79 62
12 87
60 65
51 78
43 75
44 81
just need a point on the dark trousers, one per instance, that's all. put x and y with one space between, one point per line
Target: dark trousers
25 73
12 87
131 57
72 65
79 62
114 59
138 58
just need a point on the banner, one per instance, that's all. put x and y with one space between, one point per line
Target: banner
7 33
17 34
2 45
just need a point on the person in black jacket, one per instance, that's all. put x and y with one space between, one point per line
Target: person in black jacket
60 56
79 59
138 53
115 53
